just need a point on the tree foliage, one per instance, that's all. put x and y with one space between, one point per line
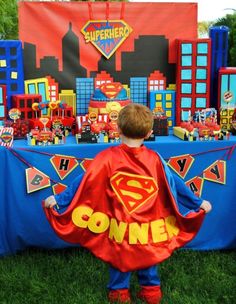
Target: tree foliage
230 21
8 20
203 27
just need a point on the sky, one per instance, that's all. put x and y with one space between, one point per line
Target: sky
208 10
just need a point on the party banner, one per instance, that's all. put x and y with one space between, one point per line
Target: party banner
216 172
63 164
58 188
196 185
181 164
36 180
86 163
67 40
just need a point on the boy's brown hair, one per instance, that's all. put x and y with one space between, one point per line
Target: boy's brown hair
135 121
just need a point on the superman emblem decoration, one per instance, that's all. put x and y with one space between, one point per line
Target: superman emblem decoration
111 90
133 190
106 35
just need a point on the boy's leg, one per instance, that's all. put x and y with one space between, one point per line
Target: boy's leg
118 286
149 281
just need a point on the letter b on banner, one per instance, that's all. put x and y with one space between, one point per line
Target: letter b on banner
36 180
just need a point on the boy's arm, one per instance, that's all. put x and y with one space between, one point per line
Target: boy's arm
63 199
183 194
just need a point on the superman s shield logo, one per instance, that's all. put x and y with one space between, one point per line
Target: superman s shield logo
133 190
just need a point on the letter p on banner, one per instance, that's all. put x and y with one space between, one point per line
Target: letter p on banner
36 180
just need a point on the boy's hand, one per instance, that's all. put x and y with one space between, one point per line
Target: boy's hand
50 202
206 206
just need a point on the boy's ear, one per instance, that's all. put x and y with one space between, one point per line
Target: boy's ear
149 134
119 130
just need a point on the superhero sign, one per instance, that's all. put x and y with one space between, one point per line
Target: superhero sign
106 35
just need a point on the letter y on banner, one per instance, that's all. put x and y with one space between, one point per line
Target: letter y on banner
216 172
181 164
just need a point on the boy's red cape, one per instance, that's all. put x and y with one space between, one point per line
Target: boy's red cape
125 210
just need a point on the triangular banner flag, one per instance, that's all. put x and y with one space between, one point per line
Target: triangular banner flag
181 164
85 163
195 184
36 180
216 172
63 164
58 188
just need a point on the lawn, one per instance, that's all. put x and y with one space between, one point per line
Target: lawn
74 276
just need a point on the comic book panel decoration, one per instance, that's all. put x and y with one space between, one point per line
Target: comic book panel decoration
181 164
36 180
216 172
63 164
195 184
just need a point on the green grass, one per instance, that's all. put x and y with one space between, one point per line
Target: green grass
74 276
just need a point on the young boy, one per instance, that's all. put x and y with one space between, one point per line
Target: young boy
125 209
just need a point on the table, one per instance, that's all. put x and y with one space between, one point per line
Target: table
22 220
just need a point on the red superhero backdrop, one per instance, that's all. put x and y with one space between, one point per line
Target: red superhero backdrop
54 44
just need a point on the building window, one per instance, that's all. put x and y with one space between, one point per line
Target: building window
201 61
14 75
158 96
186 48
186 88
31 88
2 51
202 48
13 51
159 104
201 88
22 103
29 103
185 115
168 97
186 74
200 102
42 90
14 87
2 75
186 102
2 111
3 63
186 60
30 115
13 63
201 74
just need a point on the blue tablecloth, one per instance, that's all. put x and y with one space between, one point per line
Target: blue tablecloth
22 220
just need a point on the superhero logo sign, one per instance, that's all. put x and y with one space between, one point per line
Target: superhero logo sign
106 35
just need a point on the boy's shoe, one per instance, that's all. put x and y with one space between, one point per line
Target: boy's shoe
119 296
150 294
